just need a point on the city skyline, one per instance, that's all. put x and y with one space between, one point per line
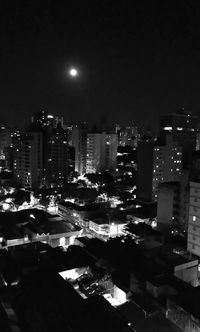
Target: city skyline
99 166
136 63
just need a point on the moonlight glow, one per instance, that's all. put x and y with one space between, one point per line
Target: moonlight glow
73 72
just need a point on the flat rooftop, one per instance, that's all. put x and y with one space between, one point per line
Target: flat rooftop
141 229
105 220
189 301
15 225
58 227
87 207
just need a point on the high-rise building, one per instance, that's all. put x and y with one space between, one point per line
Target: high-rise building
193 240
167 164
128 136
79 142
168 203
69 129
183 127
57 169
145 170
94 154
29 161
157 162
8 154
101 152
5 137
43 119
8 135
111 145
16 154
198 141
71 162
45 124
173 203
184 199
6 142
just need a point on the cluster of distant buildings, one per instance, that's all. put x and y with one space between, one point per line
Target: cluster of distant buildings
122 227
164 169
49 152
168 173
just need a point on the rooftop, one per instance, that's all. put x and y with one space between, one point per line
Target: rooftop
87 207
141 229
189 301
145 211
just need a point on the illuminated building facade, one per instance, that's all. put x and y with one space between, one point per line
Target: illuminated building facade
42 119
157 163
94 147
168 203
110 146
69 129
193 240
183 127
71 161
126 160
79 142
7 137
29 161
128 136
46 124
101 152
102 226
167 164
8 154
16 154
173 202
57 169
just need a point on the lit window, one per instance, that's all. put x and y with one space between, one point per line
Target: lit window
194 218
167 128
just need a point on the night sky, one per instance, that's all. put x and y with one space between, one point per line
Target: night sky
138 60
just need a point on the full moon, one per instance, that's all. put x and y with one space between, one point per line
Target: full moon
73 72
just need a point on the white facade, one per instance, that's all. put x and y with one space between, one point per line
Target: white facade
94 152
101 152
78 141
193 240
106 228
